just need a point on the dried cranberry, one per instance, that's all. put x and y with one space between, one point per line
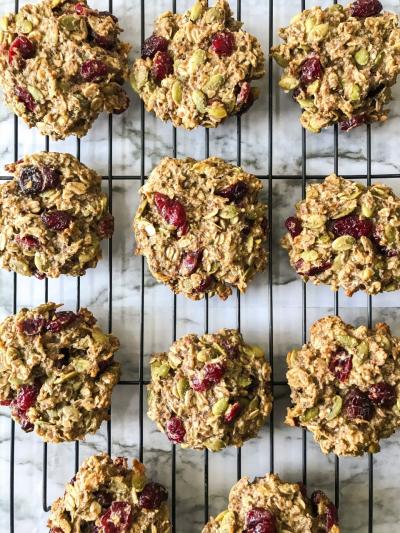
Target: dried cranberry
32 326
358 405
56 220
352 225
5 402
172 211
23 47
31 180
232 412
28 241
39 275
81 9
25 423
316 497
61 320
105 228
382 394
94 70
353 122
260 520
26 397
25 97
314 271
152 496
365 8
175 430
235 192
245 94
311 70
340 364
152 45
51 177
162 66
223 43
122 464
190 262
204 285
294 226
56 530
104 41
213 373
118 518
331 516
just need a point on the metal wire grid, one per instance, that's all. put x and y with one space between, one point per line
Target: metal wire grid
141 382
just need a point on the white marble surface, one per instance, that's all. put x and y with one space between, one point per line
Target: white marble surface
287 298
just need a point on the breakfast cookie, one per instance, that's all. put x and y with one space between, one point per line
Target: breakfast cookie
210 391
53 216
197 68
269 505
57 371
345 386
201 227
61 65
346 235
340 63
106 496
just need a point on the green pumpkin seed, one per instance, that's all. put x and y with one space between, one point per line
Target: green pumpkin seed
310 414
227 522
380 190
139 78
254 404
362 351
310 23
174 360
244 381
335 409
4 23
355 92
220 406
69 22
288 83
199 100
319 32
138 481
215 445
305 103
214 83
202 356
197 59
37 95
345 242
347 341
282 62
230 211
176 92
250 243
346 210
390 233
313 87
196 11
316 124
213 14
24 25
367 274
314 221
361 57
253 351
367 210
217 111
80 364
309 255
182 386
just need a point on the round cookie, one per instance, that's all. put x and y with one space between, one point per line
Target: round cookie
62 64
197 68
269 505
210 391
340 63
201 226
345 386
346 235
107 496
53 216
57 371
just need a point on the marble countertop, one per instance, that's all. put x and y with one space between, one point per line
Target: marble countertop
158 308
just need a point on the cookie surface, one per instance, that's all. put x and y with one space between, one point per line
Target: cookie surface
270 505
210 391
53 216
109 497
201 227
346 235
345 386
340 63
62 64
57 371
197 68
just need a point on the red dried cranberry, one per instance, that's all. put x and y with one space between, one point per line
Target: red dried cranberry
382 394
61 320
314 271
81 9
331 516
232 412
172 211
118 518
56 530
23 47
94 70
235 192
162 66
28 241
152 496
25 97
26 397
316 497
51 177
104 41
352 225
175 430
260 520
358 405
32 326
190 262
152 45
56 220
25 423
294 226
213 373
311 70
105 227
31 180
245 94
223 43
204 285
39 275
341 364
5 402
365 8
353 122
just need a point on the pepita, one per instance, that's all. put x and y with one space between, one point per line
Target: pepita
361 57
214 83
362 351
314 221
37 95
213 14
309 255
176 92
346 341
319 32
217 111
288 83
182 386
342 243
335 409
196 11
197 59
390 233
309 414
355 92
24 25
253 351
282 62
230 211
220 406
199 100
215 445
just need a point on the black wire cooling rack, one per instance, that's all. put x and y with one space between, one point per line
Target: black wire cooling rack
141 382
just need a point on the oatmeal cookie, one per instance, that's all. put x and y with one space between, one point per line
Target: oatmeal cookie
57 371
197 68
201 226
53 216
61 65
109 497
269 505
210 391
345 386
340 63
346 235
